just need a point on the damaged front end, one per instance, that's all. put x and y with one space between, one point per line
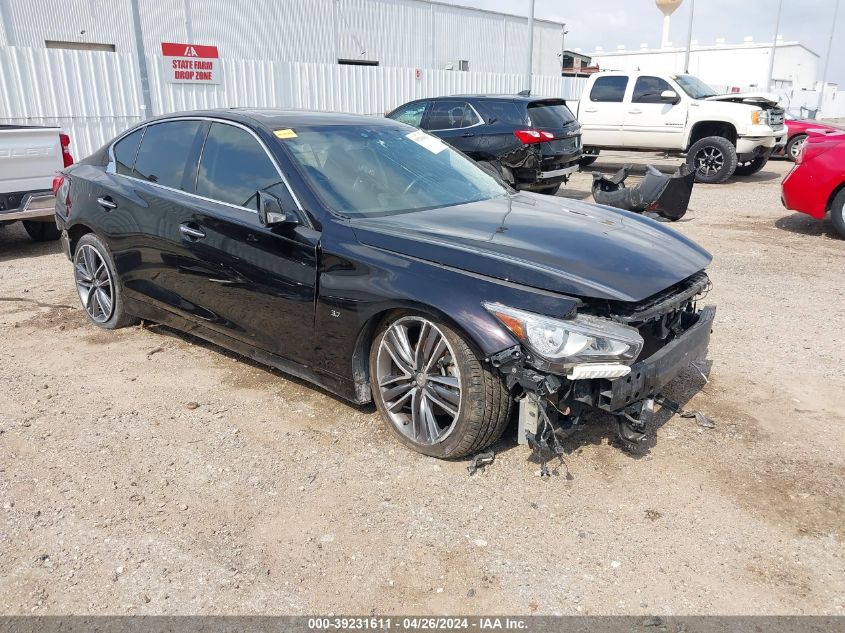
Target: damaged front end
610 356
668 196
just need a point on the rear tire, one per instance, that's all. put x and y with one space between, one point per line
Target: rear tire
794 147
42 231
751 167
837 213
713 159
98 285
402 380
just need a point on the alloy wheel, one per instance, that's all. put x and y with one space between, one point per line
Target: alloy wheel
709 160
94 283
419 380
796 147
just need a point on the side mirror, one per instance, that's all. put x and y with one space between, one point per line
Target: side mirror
670 95
272 212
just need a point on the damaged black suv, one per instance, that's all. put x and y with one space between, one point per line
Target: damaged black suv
372 259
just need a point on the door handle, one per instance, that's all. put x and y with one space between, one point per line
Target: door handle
635 111
107 203
194 234
591 110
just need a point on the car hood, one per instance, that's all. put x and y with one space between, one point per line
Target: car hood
762 99
545 242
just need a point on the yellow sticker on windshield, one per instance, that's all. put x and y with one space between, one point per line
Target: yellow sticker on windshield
286 133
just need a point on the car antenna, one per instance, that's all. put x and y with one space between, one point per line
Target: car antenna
524 93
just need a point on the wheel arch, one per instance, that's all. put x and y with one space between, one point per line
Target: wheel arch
703 129
836 191
75 234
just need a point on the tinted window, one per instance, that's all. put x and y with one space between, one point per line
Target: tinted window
381 169
234 166
609 89
124 152
411 114
694 87
506 112
450 115
648 89
164 153
550 114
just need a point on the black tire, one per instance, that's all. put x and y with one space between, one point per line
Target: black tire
713 159
119 317
549 191
485 404
751 167
42 231
837 213
588 159
793 146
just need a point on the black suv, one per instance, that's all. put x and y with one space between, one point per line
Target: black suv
534 143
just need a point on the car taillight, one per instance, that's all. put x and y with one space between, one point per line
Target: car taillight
64 139
533 136
58 181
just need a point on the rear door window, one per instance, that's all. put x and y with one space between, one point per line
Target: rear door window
550 114
609 89
124 152
234 166
164 153
451 115
410 114
648 90
506 112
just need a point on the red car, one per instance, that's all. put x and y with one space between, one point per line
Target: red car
816 184
796 134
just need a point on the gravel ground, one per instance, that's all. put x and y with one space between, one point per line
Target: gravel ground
142 471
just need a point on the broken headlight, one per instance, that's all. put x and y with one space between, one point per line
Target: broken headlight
568 342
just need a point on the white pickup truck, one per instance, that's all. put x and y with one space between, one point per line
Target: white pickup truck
720 135
30 158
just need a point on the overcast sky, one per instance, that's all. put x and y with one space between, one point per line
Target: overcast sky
609 23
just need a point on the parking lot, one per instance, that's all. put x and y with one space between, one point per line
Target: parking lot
143 471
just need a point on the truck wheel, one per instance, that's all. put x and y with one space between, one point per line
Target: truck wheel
432 390
588 159
750 167
713 159
837 213
42 231
794 147
98 286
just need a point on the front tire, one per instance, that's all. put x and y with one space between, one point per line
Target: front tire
98 286
713 159
794 147
42 231
433 391
837 213
751 167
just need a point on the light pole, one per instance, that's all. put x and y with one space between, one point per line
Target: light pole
774 48
529 68
689 36
827 57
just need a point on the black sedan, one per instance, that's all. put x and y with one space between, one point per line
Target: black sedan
368 257
532 143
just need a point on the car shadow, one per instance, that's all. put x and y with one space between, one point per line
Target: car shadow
802 224
760 176
16 244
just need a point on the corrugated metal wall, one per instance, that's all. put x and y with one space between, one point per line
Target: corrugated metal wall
96 95
396 33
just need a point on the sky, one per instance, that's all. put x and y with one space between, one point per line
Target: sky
609 23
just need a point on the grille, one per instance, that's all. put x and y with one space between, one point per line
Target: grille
776 117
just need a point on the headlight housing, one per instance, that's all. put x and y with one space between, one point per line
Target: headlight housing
568 342
760 117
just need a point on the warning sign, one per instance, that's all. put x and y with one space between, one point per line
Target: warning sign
191 64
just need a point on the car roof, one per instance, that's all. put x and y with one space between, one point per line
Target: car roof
277 118
500 97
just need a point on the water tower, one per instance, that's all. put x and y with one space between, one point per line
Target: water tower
667 7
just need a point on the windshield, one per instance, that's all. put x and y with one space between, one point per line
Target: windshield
694 87
369 170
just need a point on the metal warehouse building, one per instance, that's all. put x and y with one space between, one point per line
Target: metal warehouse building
395 33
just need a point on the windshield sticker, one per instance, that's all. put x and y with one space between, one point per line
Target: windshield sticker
286 133
431 143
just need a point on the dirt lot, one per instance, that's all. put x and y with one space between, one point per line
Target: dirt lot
142 471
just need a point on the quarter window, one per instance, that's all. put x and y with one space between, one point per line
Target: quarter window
648 89
609 89
411 114
451 115
234 166
163 156
124 152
